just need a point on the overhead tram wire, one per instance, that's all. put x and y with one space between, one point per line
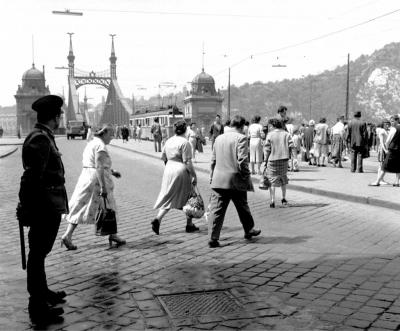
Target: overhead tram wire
152 12
326 35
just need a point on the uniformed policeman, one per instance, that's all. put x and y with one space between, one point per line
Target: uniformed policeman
43 197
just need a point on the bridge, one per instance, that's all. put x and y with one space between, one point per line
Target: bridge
116 109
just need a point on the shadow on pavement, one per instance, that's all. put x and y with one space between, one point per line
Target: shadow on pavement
280 240
318 205
307 179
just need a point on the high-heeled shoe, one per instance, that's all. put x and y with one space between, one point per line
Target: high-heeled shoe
272 205
155 226
68 244
118 241
284 202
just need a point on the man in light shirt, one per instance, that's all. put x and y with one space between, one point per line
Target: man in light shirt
321 142
337 136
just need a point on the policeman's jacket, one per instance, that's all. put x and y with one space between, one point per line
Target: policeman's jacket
42 183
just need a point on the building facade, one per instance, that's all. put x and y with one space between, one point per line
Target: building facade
33 87
203 102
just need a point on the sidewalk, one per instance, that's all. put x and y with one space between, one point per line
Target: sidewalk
330 182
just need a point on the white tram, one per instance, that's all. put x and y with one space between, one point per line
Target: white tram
167 116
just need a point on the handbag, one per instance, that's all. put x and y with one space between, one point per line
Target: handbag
264 184
195 205
106 222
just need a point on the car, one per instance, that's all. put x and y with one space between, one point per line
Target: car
77 129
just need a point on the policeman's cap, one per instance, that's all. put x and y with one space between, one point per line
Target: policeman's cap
49 104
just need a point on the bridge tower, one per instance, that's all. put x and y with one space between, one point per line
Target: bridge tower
116 109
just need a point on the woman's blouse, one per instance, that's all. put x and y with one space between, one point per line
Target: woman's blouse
90 152
321 130
255 130
190 134
278 143
177 148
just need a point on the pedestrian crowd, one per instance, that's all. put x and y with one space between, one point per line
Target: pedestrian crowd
239 149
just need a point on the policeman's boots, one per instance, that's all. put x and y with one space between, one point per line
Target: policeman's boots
41 313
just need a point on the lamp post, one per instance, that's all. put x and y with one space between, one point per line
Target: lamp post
347 87
228 112
311 83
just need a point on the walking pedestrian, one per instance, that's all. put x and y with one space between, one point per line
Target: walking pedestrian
89 134
164 135
337 134
282 116
157 136
392 158
192 138
134 132
321 142
94 184
230 180
215 130
277 152
139 132
358 142
295 151
118 132
256 135
178 178
200 140
382 133
125 134
308 142
43 197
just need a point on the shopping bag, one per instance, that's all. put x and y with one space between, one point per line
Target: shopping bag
106 221
264 183
195 205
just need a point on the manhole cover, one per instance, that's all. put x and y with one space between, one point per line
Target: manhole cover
200 303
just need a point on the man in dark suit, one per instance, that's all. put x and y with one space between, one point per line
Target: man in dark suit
230 180
357 140
43 199
216 129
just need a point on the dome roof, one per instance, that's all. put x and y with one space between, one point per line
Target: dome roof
203 78
33 74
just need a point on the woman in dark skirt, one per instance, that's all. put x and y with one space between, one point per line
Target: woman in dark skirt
277 152
392 159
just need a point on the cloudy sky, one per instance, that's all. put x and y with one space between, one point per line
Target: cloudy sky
161 40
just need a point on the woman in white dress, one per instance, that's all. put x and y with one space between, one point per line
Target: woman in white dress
192 138
256 134
382 131
94 184
178 177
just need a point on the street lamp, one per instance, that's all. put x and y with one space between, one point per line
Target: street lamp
67 12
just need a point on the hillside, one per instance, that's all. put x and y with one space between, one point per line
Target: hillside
374 90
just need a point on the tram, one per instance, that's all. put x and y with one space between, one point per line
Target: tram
167 116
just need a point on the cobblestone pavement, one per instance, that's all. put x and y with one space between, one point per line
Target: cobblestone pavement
319 264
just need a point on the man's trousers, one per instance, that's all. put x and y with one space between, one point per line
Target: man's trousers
219 202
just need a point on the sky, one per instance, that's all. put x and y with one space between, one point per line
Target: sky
163 40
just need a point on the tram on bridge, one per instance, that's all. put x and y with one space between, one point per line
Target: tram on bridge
166 115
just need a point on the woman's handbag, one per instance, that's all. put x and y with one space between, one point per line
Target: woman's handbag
264 184
106 222
195 205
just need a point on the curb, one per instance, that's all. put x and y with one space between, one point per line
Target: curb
331 194
13 150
